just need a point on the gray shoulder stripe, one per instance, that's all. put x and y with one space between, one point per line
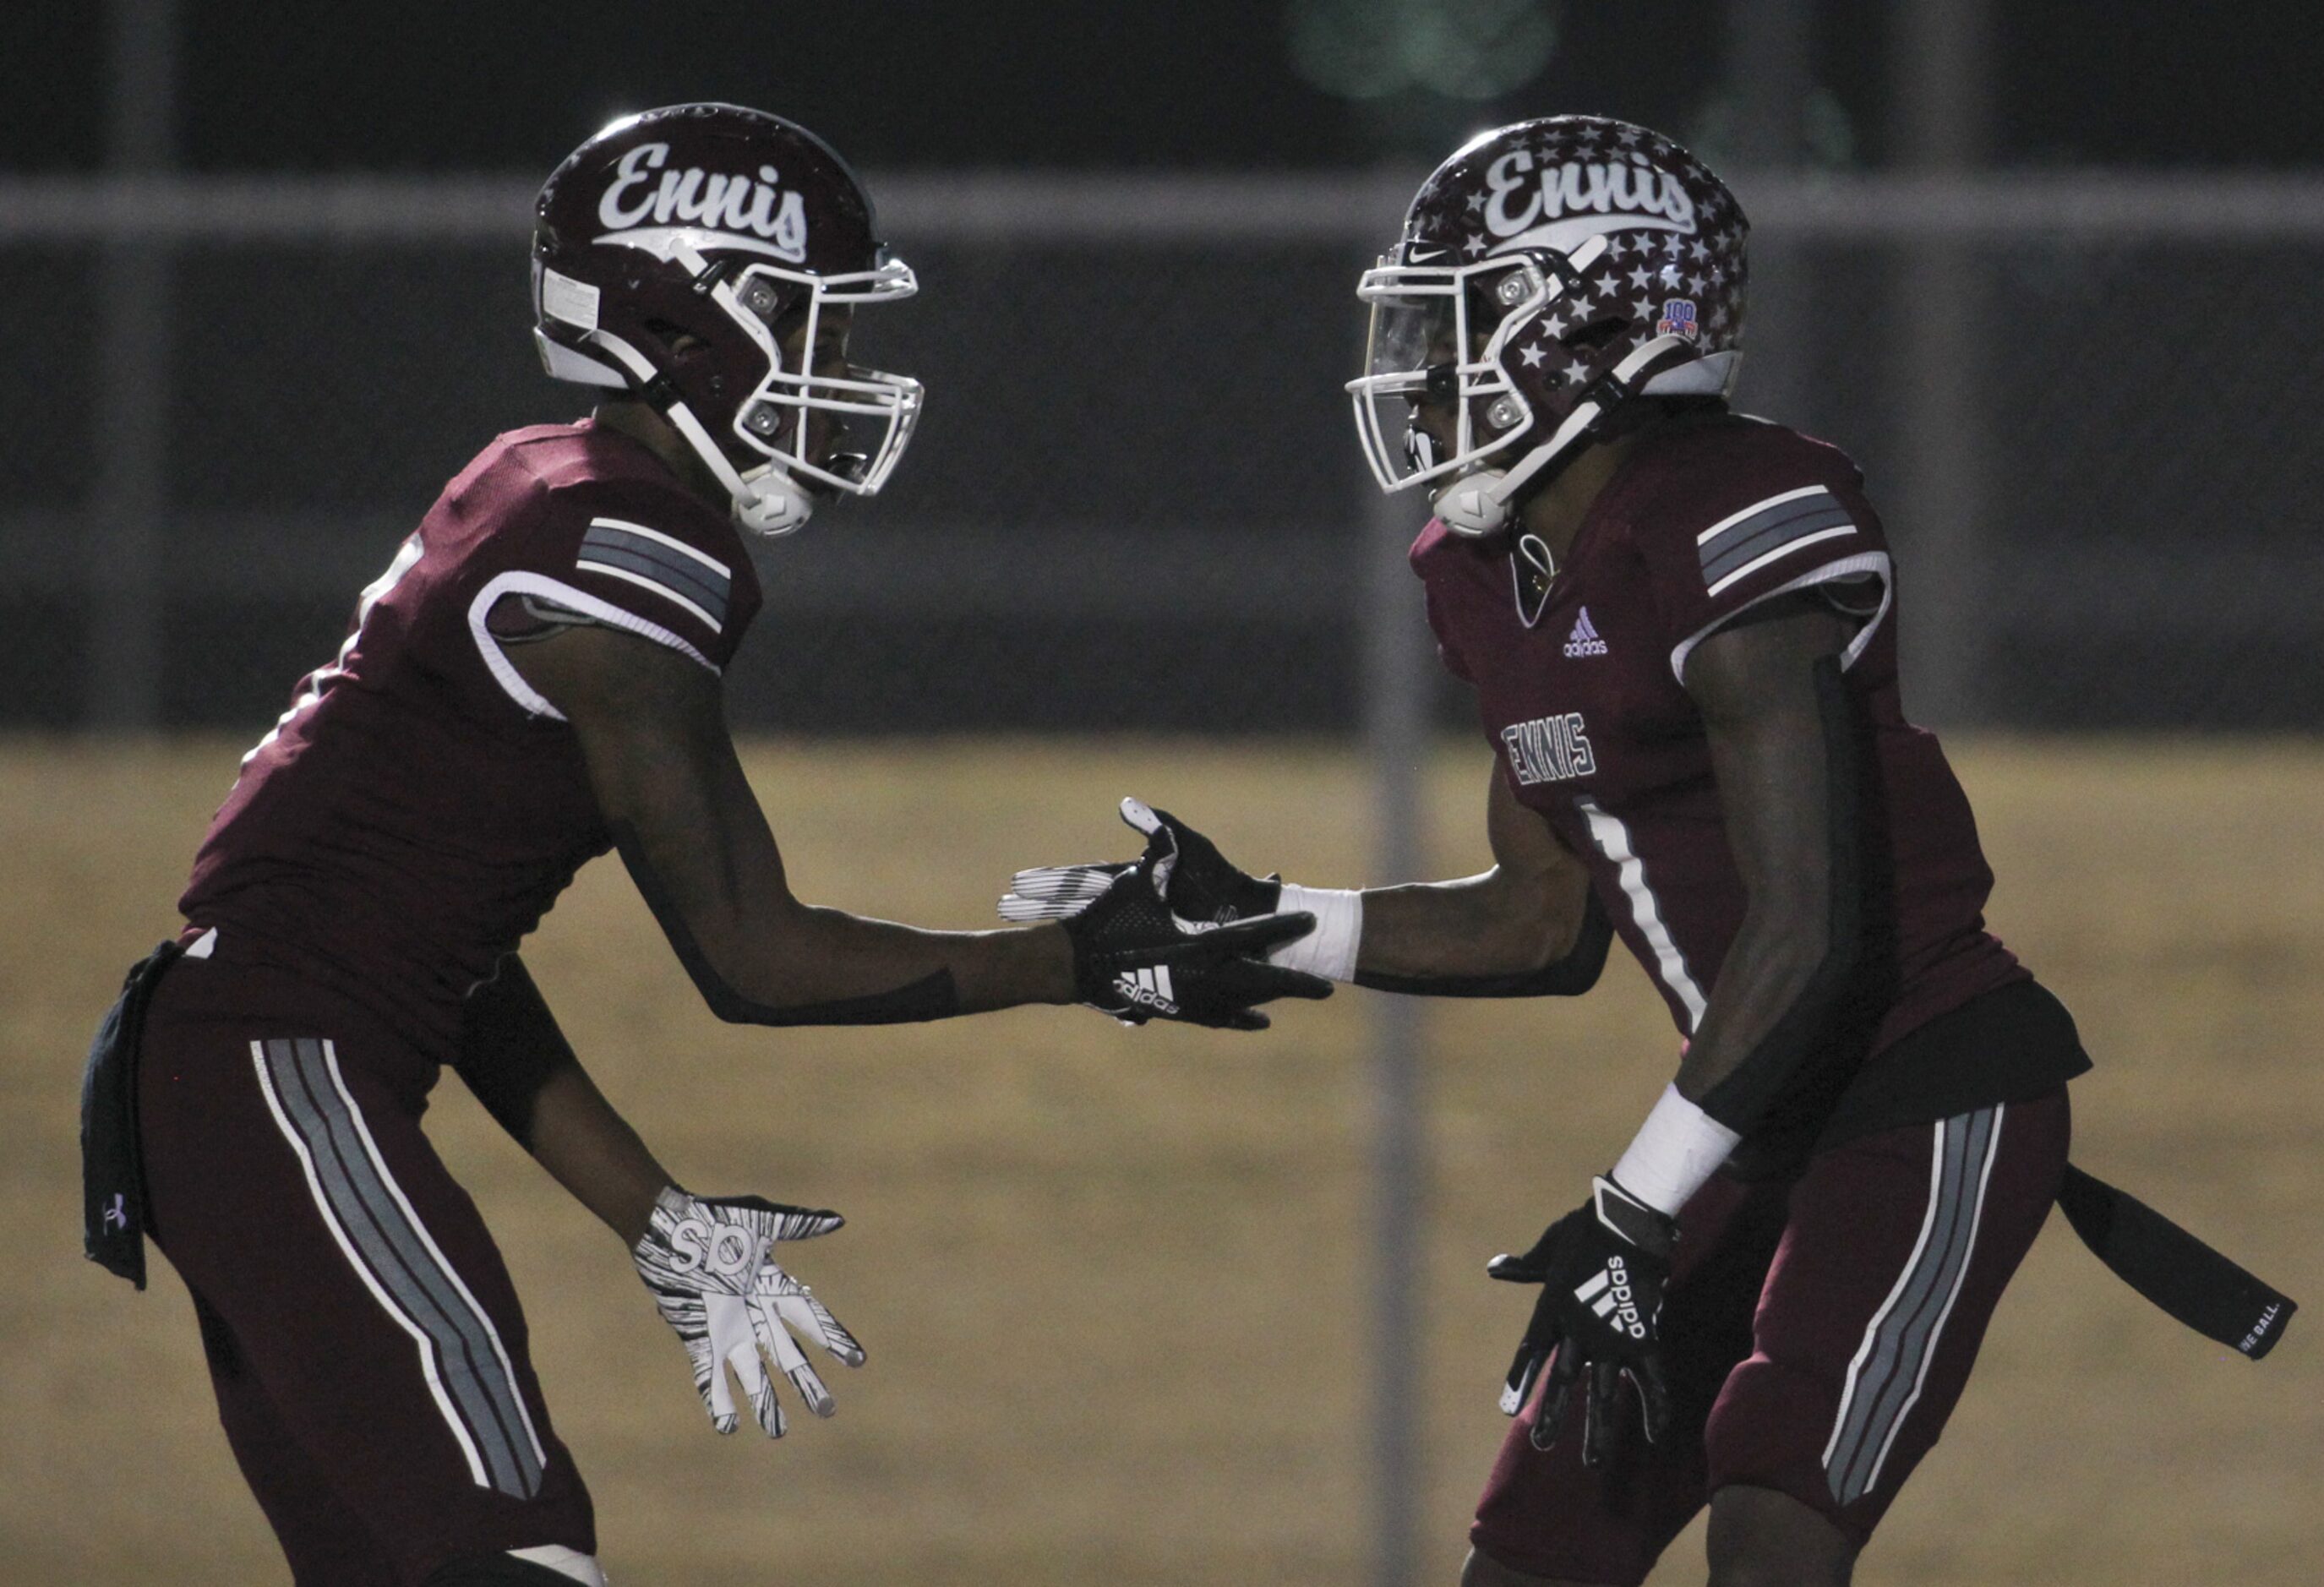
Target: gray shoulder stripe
677 545
1733 552
1782 503
669 579
460 1353
681 560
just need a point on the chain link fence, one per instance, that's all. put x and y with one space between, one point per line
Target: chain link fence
1133 502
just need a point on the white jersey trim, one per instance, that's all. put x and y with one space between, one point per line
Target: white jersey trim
522 583
1876 563
1613 841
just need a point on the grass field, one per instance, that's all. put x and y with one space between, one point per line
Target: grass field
1112 1283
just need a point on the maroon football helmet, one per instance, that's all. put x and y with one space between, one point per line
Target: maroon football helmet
1549 272
673 255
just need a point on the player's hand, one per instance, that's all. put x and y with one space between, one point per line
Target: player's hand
1200 885
707 1261
1603 1269
1133 960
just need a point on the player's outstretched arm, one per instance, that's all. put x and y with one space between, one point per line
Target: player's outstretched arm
651 727
1528 927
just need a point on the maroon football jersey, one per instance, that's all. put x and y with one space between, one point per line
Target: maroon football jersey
418 807
1578 689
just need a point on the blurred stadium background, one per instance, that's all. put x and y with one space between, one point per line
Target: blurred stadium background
1167 1308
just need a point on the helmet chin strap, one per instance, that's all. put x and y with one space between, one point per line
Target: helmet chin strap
766 500
1482 501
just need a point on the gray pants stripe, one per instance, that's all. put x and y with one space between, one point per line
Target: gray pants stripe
1884 1380
480 1393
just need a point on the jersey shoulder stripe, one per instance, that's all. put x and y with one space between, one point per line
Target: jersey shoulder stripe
1742 544
632 552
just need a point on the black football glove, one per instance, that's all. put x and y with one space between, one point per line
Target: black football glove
1603 1269
1201 885
1132 960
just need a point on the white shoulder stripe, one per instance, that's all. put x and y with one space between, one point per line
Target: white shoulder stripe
657 536
1733 518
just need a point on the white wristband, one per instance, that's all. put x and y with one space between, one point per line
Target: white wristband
1678 1148
1329 950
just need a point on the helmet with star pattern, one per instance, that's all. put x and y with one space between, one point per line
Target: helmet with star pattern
1550 272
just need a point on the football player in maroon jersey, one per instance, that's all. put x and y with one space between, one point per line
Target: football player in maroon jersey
534 681
1680 624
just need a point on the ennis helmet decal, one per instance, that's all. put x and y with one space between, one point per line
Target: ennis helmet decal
1558 206
709 260
713 210
1549 272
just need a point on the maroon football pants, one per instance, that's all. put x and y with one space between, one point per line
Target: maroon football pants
366 1347
1818 1333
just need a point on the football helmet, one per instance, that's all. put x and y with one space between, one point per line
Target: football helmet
1549 272
699 256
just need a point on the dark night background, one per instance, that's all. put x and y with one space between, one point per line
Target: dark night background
1095 398
1064 84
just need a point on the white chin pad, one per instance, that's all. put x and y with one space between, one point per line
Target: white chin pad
1468 506
770 505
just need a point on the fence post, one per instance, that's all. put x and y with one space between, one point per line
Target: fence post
1941 70
1396 740
128 501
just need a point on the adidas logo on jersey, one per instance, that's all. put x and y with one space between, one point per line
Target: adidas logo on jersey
1583 641
1148 988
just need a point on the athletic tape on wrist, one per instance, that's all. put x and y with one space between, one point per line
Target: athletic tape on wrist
1678 1148
1329 950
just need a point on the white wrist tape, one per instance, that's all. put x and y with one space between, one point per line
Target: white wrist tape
1329 950
1678 1148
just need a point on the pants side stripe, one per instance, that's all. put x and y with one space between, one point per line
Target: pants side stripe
1902 1340
1908 1325
1861 1374
362 1207
475 1308
1961 1276
371 1282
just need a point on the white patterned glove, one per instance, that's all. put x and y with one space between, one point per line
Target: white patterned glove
706 1259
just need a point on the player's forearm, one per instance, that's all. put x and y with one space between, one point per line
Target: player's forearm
839 955
1782 968
1493 934
590 1149
759 956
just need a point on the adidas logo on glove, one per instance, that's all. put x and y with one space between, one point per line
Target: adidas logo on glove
1583 641
1148 988
1608 1293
